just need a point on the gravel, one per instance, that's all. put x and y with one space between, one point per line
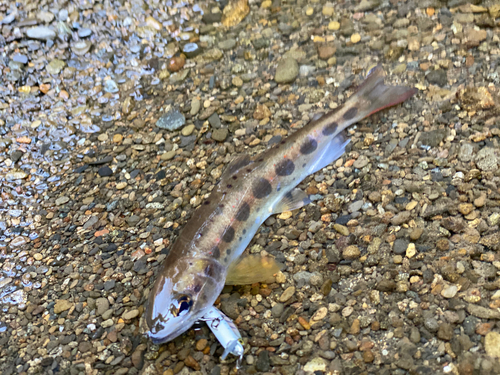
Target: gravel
118 119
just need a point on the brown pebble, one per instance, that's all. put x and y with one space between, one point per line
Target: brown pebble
375 326
191 362
201 344
355 327
416 233
176 63
304 323
178 367
443 244
45 87
483 328
326 51
368 356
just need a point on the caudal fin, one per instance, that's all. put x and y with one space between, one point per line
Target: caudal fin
373 95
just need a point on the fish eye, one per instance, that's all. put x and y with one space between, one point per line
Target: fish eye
181 305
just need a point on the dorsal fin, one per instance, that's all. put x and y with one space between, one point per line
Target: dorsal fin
236 164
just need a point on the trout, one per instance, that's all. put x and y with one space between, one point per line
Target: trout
249 191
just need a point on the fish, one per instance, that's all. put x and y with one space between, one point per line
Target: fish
251 189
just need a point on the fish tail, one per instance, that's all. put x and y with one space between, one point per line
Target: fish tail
373 95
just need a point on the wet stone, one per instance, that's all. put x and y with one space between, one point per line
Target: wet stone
41 33
105 171
287 70
220 135
171 121
437 77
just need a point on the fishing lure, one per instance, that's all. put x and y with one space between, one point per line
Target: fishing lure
226 333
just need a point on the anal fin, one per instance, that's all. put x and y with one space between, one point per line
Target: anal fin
252 269
291 201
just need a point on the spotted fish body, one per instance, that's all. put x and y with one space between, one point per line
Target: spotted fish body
250 190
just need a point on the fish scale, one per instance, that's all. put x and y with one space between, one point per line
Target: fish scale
250 190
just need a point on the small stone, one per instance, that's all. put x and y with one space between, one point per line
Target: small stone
465 208
41 33
487 159
102 305
351 252
449 291
220 135
328 10
315 364
343 230
401 218
121 185
195 106
201 344
355 38
191 362
62 200
55 66
105 171
62 305
261 112
81 47
445 331
492 344
187 130
128 315
333 26
287 294
171 121
437 77
287 70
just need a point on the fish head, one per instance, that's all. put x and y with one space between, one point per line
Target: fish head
185 289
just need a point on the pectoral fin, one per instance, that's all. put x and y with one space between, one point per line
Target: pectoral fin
252 269
291 201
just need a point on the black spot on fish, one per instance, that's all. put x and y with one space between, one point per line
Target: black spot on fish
225 260
216 252
239 239
206 202
310 145
249 170
261 188
235 177
228 235
285 167
243 212
244 231
351 112
330 128
228 252
304 165
229 186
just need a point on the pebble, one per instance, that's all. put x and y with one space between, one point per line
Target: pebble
492 344
62 305
171 121
287 294
187 130
287 70
128 315
220 135
41 33
315 364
